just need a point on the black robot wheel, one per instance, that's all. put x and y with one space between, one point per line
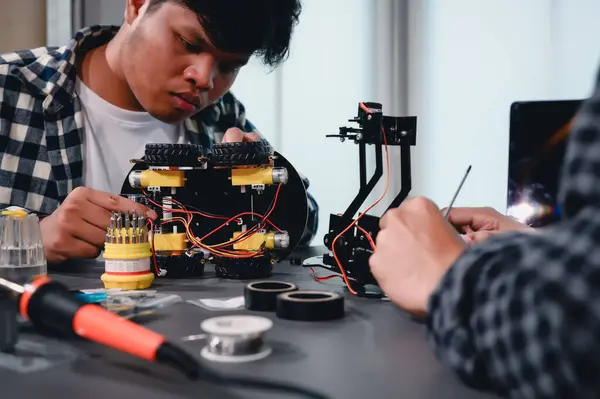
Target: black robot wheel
161 154
243 269
180 266
241 153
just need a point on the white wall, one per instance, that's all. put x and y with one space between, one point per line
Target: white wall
314 93
22 24
576 52
469 60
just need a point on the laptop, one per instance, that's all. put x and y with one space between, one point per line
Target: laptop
539 131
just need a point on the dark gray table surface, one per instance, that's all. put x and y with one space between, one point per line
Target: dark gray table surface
376 351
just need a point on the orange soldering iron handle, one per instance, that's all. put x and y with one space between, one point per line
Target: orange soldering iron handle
49 305
99 325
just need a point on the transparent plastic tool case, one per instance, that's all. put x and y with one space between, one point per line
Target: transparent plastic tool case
22 256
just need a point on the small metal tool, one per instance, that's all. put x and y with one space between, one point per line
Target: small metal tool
134 225
10 287
457 191
120 236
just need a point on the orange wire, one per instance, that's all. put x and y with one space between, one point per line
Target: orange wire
322 278
265 217
368 236
387 182
198 243
225 252
184 210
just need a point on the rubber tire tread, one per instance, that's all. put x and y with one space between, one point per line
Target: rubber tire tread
241 153
159 154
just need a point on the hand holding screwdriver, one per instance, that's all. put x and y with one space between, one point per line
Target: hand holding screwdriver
77 229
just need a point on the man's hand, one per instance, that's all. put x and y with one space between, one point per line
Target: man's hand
235 135
415 246
77 229
478 224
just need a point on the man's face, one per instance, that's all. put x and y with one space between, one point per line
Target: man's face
171 66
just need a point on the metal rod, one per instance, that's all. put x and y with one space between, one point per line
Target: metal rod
10 286
457 191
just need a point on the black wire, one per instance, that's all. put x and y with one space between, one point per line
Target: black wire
170 354
256 383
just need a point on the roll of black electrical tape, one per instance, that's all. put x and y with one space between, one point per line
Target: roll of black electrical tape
310 306
262 295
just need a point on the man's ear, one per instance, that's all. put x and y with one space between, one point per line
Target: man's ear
133 10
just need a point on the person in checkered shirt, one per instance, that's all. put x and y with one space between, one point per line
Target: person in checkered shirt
72 117
511 309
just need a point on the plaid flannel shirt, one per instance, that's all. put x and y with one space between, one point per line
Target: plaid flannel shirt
519 314
41 123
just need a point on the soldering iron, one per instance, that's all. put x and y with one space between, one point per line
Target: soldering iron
50 306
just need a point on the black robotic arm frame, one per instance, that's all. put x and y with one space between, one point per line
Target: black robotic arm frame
352 245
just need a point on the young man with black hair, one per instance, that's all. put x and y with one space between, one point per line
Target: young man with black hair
72 117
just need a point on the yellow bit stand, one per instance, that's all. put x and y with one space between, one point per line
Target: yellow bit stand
127 266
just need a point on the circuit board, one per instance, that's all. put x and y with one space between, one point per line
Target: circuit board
243 208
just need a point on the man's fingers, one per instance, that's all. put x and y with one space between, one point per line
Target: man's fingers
236 135
461 216
385 219
73 249
96 216
478 236
89 233
82 249
116 203
251 136
233 135
82 240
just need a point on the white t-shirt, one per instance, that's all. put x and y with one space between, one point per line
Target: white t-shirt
113 136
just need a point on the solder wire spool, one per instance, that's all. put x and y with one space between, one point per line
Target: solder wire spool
236 339
127 253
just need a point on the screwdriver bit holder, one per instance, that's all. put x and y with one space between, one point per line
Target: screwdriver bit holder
127 252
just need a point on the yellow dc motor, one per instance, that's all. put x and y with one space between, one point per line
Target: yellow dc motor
169 242
157 178
258 176
271 240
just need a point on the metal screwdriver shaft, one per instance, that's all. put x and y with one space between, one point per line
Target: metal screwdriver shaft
124 229
457 191
11 287
134 224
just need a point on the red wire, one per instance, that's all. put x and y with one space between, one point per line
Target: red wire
152 247
184 210
237 255
246 213
368 236
322 278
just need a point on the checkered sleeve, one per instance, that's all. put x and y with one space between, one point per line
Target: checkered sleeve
519 314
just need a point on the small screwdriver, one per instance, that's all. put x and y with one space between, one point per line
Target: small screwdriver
456 193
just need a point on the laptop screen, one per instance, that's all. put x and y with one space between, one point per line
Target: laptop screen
538 137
